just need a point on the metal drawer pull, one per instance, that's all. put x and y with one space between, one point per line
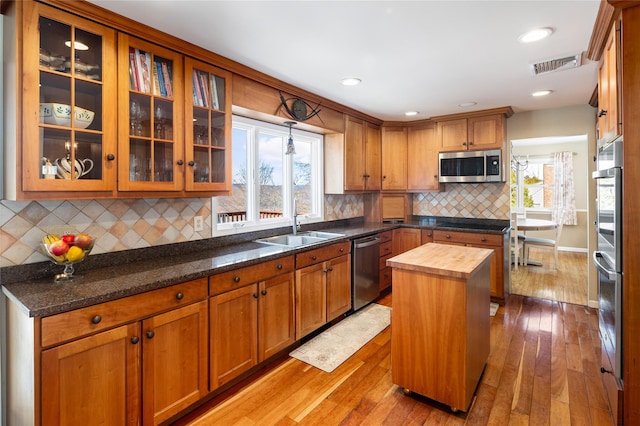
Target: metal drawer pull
255 295
135 340
96 319
236 279
180 295
264 292
313 258
279 266
150 334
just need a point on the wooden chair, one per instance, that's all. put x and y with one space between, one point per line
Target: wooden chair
517 242
544 243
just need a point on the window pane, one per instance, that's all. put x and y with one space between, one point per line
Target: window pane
234 207
270 175
303 177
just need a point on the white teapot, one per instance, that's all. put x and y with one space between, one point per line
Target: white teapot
82 167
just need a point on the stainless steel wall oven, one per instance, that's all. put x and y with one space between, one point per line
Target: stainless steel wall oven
608 256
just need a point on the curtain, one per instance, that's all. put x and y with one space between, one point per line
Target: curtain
564 200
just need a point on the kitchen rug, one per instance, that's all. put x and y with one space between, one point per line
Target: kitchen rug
493 309
332 347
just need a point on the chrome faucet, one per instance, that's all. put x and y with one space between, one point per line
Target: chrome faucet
296 225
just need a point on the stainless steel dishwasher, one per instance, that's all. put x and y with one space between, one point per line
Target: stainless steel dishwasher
365 274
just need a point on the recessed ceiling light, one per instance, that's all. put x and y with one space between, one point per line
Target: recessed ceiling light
535 35
76 45
541 93
467 104
411 113
351 81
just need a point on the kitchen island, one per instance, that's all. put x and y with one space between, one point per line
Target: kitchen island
440 321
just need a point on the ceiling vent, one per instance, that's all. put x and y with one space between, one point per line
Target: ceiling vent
556 64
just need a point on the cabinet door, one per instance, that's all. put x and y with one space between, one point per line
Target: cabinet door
208 129
233 333
95 379
394 159
404 239
422 159
311 299
496 285
338 286
372 157
276 315
354 156
175 370
426 236
452 135
608 89
486 132
150 117
68 106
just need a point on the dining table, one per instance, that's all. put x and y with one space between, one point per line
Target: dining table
530 224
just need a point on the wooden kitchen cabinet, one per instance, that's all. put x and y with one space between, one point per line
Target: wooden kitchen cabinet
426 236
497 242
422 158
64 115
394 158
352 158
208 129
386 252
251 317
137 360
323 286
472 133
150 117
404 239
609 123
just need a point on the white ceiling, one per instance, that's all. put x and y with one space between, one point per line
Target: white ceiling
427 56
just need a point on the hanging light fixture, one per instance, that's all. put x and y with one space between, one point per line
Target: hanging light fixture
291 149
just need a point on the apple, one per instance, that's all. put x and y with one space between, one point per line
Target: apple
58 248
68 238
83 240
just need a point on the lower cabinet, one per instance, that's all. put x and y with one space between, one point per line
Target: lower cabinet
405 239
386 252
141 372
251 322
323 286
498 286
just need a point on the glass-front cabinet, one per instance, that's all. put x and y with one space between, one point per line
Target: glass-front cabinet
69 96
208 127
150 111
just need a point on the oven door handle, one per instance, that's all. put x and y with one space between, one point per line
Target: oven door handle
600 266
606 173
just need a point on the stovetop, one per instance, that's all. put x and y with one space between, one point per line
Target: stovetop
483 226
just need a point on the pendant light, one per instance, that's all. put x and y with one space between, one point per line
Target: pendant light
291 149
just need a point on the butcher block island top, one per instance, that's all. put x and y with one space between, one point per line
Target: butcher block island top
440 321
441 259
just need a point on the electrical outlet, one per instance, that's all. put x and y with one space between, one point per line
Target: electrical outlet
198 223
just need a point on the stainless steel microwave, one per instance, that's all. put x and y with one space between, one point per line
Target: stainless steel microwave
471 166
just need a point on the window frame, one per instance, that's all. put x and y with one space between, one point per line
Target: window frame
520 186
254 223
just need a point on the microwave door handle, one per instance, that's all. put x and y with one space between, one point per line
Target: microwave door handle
600 267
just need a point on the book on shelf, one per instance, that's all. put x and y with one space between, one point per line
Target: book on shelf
215 102
133 69
156 82
166 74
205 89
159 76
197 93
144 70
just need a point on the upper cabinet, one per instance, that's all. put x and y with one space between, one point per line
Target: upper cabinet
422 158
394 158
67 122
609 123
352 158
150 117
208 127
472 133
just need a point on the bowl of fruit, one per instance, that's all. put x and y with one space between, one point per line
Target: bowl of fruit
67 250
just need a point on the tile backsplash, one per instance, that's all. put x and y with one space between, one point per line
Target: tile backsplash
124 224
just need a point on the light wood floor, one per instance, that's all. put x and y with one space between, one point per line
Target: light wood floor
543 370
568 283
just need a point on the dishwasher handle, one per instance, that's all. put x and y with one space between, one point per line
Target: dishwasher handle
366 242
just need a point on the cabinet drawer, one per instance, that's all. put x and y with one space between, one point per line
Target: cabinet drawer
383 262
386 248
467 238
320 255
385 236
71 325
385 278
240 277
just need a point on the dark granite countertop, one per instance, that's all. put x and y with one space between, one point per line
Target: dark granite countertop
122 274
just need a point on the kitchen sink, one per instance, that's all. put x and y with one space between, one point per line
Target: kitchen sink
300 239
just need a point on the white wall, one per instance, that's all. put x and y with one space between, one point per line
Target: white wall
568 121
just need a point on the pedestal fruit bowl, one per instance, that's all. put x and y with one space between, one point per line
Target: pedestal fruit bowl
67 250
